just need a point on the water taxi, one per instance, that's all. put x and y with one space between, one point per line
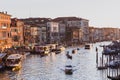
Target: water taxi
14 61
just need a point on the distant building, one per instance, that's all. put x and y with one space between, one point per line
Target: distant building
5 20
27 35
41 23
35 34
76 30
111 33
103 34
52 32
17 32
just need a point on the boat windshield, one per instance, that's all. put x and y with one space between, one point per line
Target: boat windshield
13 61
87 45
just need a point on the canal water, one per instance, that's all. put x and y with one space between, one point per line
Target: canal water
51 67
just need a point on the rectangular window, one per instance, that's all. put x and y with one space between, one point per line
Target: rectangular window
4 34
54 29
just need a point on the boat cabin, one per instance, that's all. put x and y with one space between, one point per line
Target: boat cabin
14 60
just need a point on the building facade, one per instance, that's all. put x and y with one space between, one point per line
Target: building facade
5 40
36 22
52 32
17 32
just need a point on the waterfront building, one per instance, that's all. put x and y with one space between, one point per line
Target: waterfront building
91 34
85 29
62 32
76 29
5 39
98 34
116 32
109 33
52 32
27 35
16 32
103 34
35 33
38 22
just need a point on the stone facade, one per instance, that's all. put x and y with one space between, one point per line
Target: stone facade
16 32
53 32
5 40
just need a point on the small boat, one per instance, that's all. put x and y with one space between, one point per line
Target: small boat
101 67
114 78
14 61
57 52
42 50
2 60
69 69
87 46
78 48
52 47
60 48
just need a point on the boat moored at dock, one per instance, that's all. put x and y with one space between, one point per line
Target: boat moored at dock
87 46
42 50
14 61
60 48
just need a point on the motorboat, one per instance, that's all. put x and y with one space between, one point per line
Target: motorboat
42 50
87 46
52 47
69 69
14 61
60 48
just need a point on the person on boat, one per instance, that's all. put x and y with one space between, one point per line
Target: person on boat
68 55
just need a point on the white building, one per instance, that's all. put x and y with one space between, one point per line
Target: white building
83 25
52 32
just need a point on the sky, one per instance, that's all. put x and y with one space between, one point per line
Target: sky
100 13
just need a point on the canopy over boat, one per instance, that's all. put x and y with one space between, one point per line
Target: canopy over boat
14 56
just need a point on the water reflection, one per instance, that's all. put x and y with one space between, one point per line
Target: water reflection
50 67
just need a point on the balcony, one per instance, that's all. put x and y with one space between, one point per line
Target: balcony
4 27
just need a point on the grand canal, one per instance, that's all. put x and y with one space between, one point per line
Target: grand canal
51 67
